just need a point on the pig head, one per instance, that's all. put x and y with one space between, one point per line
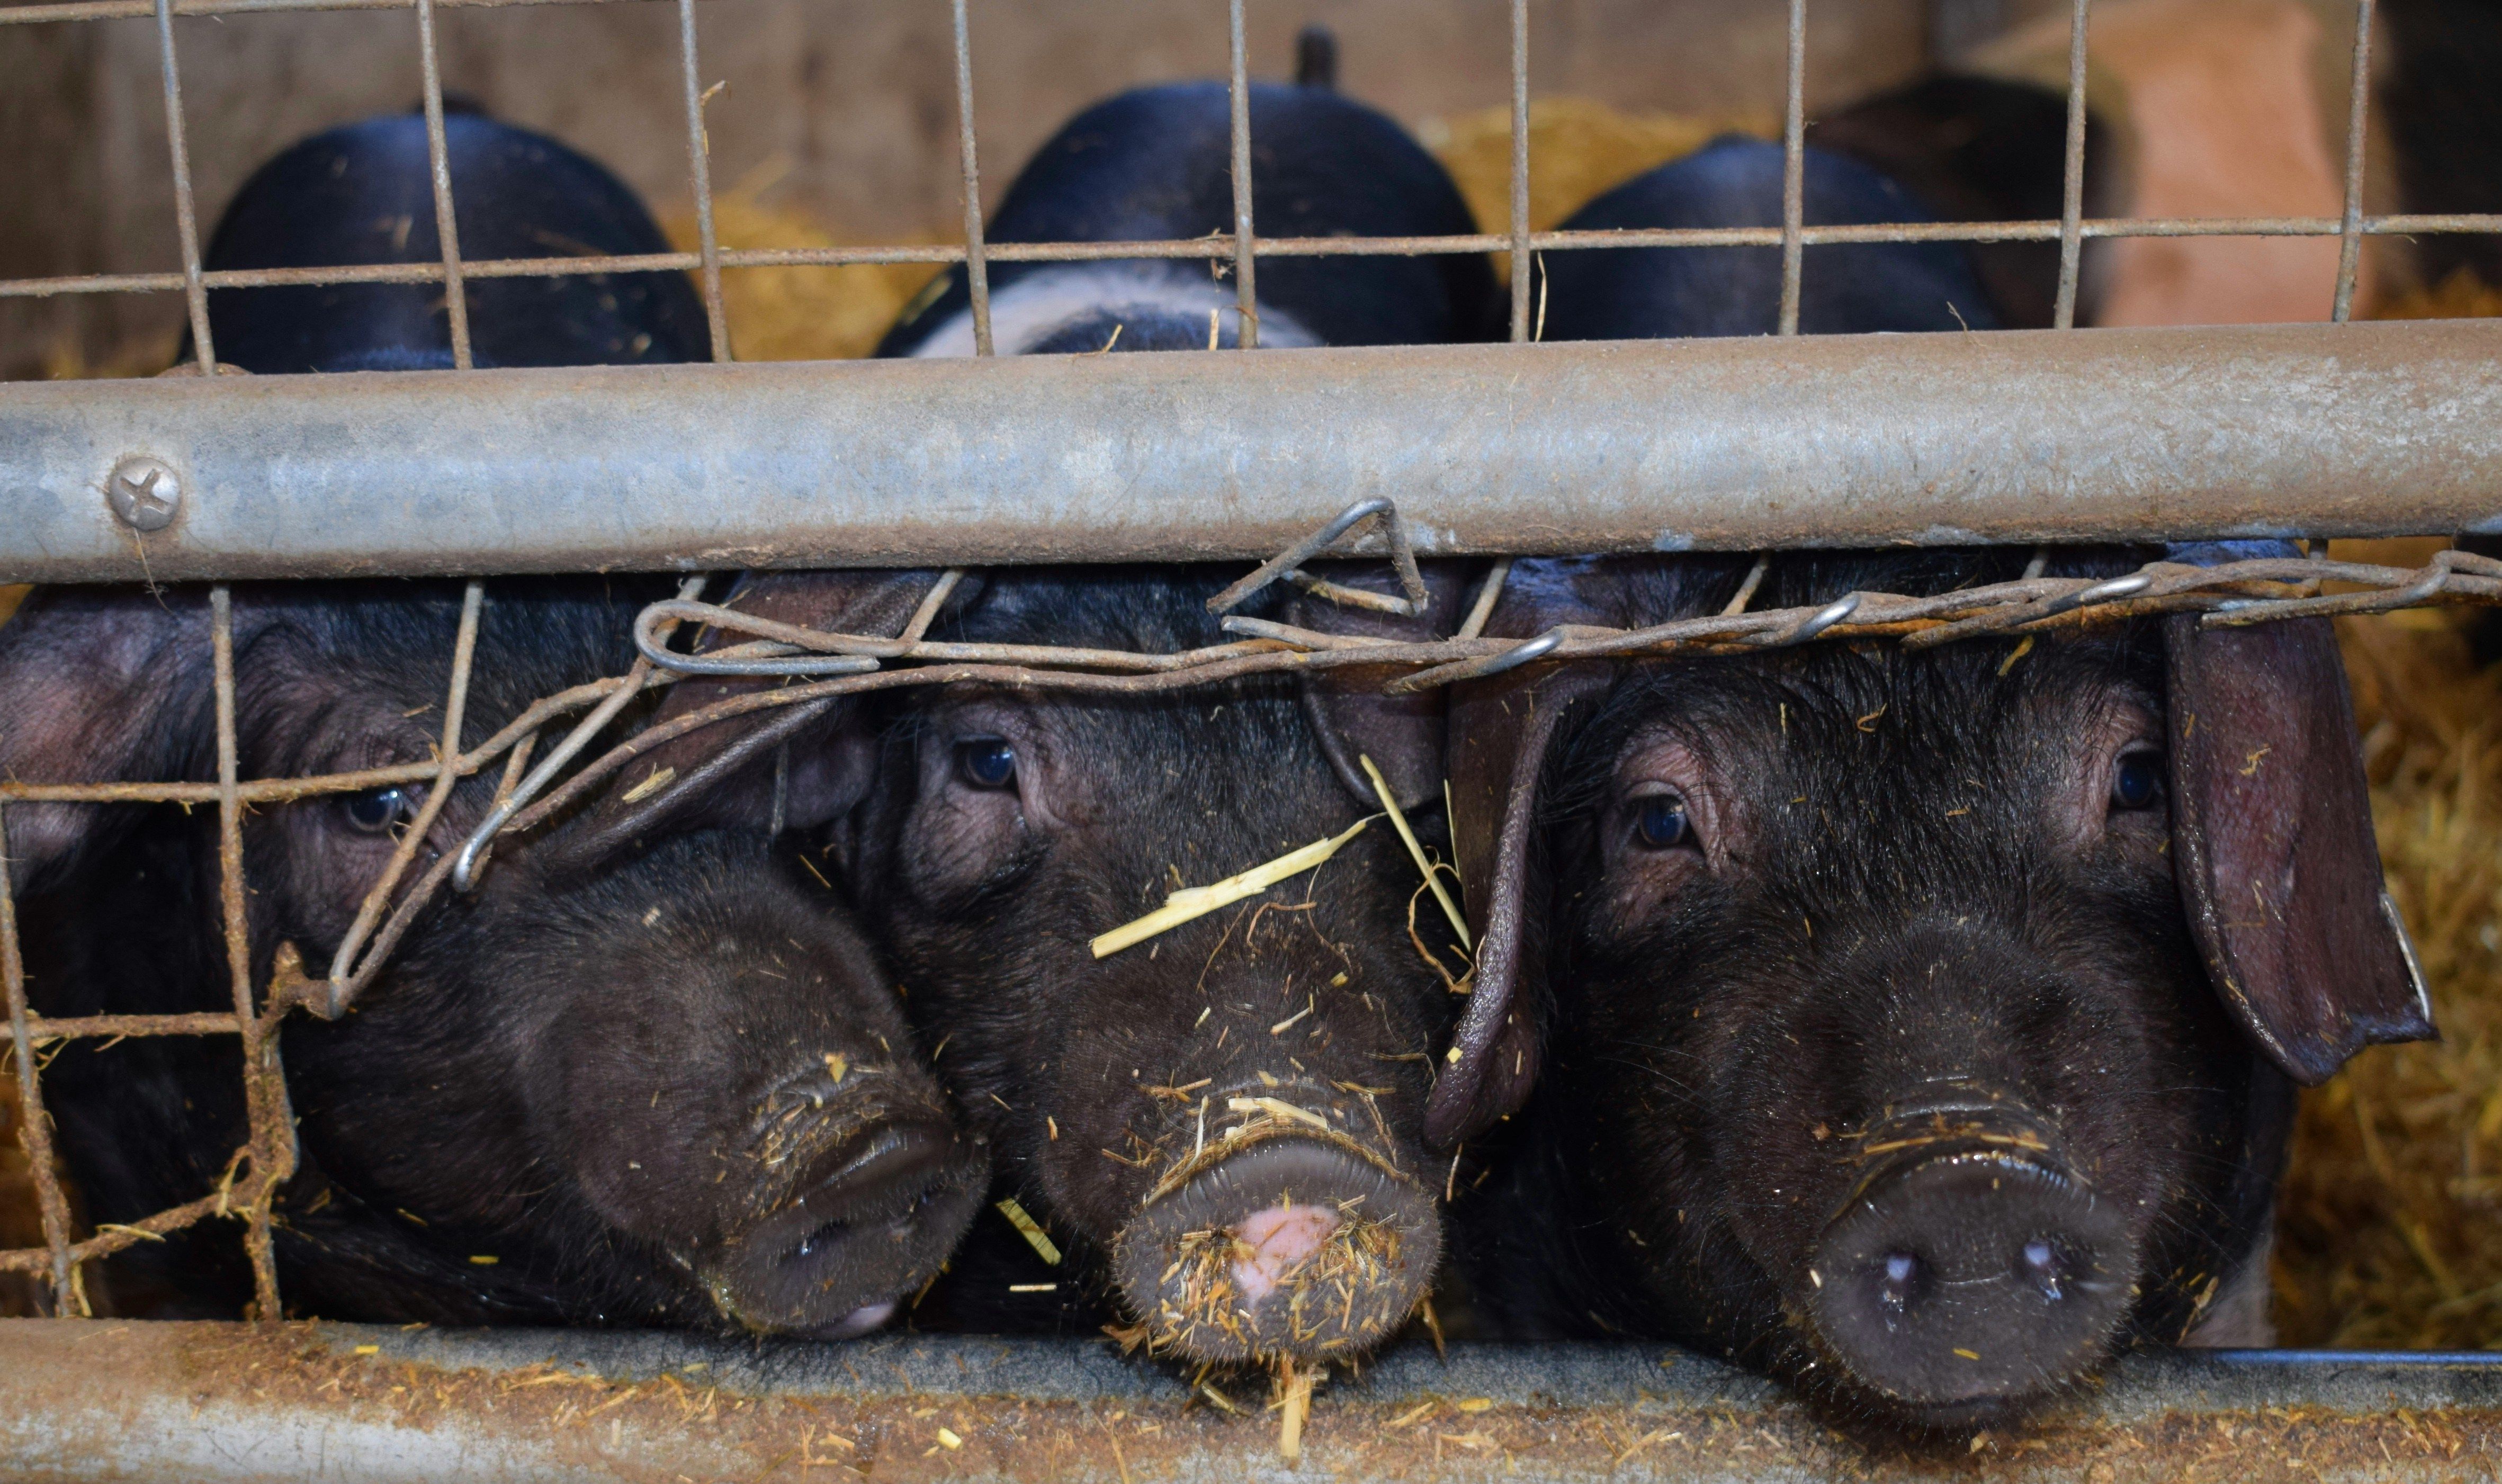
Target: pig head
1221 1126
673 1089
1919 1026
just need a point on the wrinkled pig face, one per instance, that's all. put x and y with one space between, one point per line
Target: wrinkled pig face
1883 1053
1229 1110
675 1088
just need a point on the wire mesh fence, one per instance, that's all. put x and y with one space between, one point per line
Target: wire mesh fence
535 785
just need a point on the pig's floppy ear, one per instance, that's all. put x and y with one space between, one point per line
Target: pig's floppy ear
1350 716
1502 734
97 685
2272 831
716 778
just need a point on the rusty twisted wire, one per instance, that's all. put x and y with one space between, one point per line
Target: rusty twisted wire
818 666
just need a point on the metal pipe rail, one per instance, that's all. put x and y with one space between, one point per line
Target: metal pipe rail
224 1402
2360 430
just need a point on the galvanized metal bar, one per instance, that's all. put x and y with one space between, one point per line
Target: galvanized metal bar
700 167
2071 174
1247 298
1793 166
34 1123
231 1402
2019 436
977 274
186 219
439 158
1520 250
264 1088
2358 115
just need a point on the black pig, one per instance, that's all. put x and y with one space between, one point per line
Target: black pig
670 1088
1920 1025
1222 1123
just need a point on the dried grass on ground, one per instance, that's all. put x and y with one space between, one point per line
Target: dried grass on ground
2391 1224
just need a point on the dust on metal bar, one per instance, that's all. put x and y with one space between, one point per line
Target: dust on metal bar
187 220
699 164
438 161
1237 91
1793 164
224 1403
131 10
34 1123
2071 174
1520 249
977 273
1219 248
41 1028
272 1131
2350 246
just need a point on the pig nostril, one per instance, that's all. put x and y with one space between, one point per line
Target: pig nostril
1292 1247
1980 1280
2041 1265
874 1219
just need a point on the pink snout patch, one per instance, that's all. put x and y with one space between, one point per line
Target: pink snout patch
1281 1239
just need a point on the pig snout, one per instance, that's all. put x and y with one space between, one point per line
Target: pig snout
732 1086
859 1195
1297 1245
1970 1266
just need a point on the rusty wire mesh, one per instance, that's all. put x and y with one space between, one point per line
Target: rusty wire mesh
2245 592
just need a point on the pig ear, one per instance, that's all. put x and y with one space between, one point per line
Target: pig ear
2271 830
722 774
97 685
1403 735
1502 731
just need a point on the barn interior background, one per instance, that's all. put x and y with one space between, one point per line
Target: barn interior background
836 125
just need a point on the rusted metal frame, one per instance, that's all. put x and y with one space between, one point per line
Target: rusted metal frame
132 10
282 789
272 1129
1520 249
975 259
44 1029
700 167
112 1238
2349 247
1793 165
456 708
34 1123
1219 248
1287 565
2072 175
186 219
471 857
438 159
1237 95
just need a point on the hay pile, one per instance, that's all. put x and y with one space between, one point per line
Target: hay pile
2389 1231
1578 149
798 313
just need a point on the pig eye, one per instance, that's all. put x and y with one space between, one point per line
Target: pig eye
2137 780
986 762
1660 822
380 811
